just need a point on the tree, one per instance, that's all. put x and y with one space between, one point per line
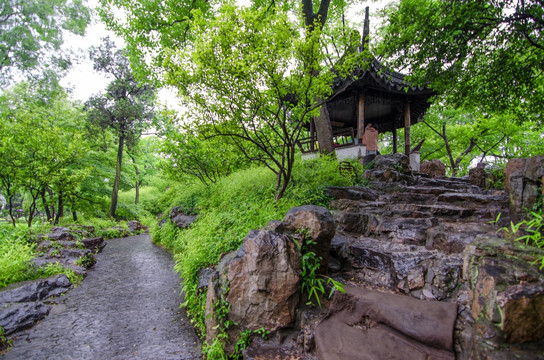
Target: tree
488 54
126 108
32 30
41 145
461 137
155 30
255 80
191 151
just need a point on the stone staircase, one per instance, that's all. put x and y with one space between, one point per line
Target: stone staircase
409 237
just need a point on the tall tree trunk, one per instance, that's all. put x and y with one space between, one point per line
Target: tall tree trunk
31 210
74 215
115 191
324 131
51 196
137 197
60 209
11 211
46 207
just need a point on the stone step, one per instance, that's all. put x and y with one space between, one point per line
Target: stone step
369 324
408 197
399 267
353 193
464 198
452 183
453 237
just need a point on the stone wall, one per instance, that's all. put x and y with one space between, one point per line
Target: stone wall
523 181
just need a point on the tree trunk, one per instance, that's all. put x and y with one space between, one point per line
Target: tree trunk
74 215
137 197
60 209
46 207
31 210
115 190
324 131
52 208
11 211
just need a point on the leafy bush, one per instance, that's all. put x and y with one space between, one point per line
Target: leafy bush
128 212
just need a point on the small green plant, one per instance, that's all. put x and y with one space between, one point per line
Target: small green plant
214 350
532 232
315 284
5 343
86 261
246 336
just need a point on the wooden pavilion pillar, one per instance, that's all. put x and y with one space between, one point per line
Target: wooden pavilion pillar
394 139
312 134
407 128
361 118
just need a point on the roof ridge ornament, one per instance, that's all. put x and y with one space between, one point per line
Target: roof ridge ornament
366 30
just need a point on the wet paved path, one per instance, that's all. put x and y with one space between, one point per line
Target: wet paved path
126 308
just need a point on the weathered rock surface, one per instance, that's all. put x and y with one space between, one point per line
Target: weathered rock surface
524 183
135 226
94 244
263 276
390 168
180 219
317 223
365 324
19 316
21 303
35 290
60 233
505 298
478 176
264 280
434 168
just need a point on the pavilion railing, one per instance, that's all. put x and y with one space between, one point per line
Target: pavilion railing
341 138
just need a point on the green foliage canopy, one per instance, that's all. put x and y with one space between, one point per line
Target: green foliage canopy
42 143
488 54
31 30
252 75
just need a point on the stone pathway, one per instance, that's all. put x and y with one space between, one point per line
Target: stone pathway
126 308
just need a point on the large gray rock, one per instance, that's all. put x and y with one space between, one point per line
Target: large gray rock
264 282
94 244
478 176
397 161
60 233
19 316
523 178
261 284
181 219
434 168
35 290
134 226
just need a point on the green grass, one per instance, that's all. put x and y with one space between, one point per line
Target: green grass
227 211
